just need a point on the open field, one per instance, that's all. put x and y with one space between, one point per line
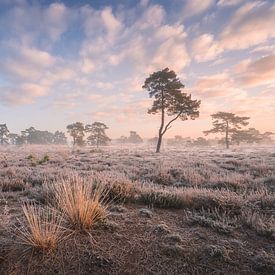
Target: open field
179 212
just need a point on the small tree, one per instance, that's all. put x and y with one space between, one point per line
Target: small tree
267 137
250 136
77 132
4 134
27 135
97 134
13 138
165 87
122 140
200 141
153 141
227 124
59 138
134 138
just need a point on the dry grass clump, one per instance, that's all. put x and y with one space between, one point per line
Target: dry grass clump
192 198
219 221
263 262
261 199
117 186
263 225
13 185
42 229
4 214
82 204
161 198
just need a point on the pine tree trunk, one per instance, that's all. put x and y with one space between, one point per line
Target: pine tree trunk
226 136
159 144
161 125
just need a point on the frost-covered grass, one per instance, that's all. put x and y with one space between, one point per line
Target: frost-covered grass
223 191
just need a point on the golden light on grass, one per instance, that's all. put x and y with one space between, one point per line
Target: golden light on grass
82 204
42 228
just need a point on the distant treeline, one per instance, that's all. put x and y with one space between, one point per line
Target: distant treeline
31 136
96 136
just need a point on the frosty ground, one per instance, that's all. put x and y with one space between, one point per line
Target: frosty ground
205 210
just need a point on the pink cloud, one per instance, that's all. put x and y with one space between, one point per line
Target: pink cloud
259 72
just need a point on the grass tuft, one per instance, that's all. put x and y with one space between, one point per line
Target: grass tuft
42 228
82 204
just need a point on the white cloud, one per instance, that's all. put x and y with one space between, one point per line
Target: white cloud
204 48
252 24
56 20
195 7
226 3
171 53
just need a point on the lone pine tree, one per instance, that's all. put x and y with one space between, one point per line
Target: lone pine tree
169 101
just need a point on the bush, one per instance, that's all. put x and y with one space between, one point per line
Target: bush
45 158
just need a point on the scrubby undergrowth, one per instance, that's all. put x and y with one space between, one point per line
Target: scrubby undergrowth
130 211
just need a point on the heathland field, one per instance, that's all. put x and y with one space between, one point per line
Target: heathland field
131 211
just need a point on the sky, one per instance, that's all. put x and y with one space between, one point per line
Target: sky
68 61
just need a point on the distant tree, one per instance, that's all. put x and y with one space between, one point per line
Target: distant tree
122 140
4 134
153 141
134 138
250 136
26 135
246 136
176 141
59 138
33 136
165 87
200 141
14 139
97 135
227 124
267 137
42 137
77 132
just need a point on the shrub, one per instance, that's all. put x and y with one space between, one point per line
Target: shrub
30 157
45 158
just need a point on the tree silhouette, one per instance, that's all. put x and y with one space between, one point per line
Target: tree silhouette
134 137
59 138
77 132
227 124
200 141
14 139
250 136
4 133
165 87
97 134
33 136
267 137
